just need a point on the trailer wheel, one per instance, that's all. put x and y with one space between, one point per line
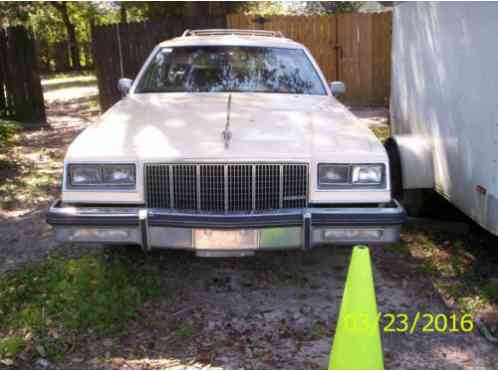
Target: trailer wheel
413 200
395 168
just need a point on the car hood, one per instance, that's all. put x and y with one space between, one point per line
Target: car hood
179 126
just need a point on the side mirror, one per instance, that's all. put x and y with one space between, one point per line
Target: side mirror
337 88
124 86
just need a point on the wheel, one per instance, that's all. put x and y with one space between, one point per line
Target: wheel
395 168
413 200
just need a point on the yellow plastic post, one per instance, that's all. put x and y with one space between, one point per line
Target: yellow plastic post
357 344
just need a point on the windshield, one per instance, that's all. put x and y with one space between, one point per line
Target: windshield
231 69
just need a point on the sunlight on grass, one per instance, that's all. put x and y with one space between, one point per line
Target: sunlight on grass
41 304
68 77
8 130
382 133
455 269
26 187
11 346
186 331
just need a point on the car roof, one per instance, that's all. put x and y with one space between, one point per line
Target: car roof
232 37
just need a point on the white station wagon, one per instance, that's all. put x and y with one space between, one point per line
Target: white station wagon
228 142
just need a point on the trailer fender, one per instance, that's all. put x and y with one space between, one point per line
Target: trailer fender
411 162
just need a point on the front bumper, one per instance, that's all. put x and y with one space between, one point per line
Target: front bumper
285 229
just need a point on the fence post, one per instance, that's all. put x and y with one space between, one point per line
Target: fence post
20 85
120 51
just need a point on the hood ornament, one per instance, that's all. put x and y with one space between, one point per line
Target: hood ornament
227 134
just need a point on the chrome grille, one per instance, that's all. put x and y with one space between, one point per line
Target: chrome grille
212 185
184 187
226 187
268 193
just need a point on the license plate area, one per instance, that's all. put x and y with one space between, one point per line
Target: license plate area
214 239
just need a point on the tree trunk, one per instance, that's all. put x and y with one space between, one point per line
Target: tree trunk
123 13
71 33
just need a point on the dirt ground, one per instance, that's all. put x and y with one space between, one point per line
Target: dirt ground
274 310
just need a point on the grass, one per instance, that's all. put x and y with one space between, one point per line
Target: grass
29 171
41 305
66 81
463 269
22 183
69 75
185 332
381 132
11 346
8 129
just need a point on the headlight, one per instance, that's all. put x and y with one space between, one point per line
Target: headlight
333 174
367 174
351 175
101 176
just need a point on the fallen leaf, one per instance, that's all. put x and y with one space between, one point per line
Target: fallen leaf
117 361
204 357
41 350
267 357
7 362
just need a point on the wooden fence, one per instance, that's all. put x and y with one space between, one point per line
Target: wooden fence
354 48
21 96
119 50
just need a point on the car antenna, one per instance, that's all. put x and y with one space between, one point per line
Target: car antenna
227 135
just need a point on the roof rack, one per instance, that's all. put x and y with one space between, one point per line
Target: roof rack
221 32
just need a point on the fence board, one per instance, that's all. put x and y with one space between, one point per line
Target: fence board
119 50
354 48
21 96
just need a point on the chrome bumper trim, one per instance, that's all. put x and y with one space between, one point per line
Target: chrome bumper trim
144 229
310 221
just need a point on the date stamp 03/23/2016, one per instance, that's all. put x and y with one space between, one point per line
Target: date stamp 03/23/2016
410 322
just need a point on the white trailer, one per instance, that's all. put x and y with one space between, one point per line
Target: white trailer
444 104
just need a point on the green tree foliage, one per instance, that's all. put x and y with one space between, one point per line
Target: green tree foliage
150 10
156 10
14 12
331 7
269 8
46 18
57 21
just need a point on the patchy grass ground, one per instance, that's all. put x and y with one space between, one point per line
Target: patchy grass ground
462 268
31 163
78 87
70 306
44 308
